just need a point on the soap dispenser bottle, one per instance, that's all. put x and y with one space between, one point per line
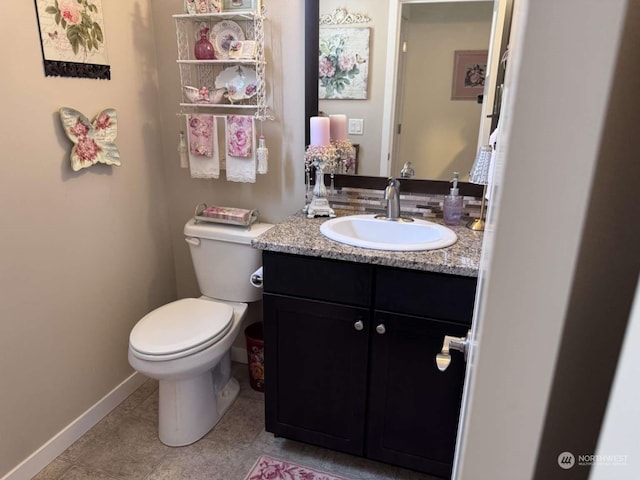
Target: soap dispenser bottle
452 205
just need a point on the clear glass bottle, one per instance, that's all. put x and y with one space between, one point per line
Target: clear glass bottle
452 205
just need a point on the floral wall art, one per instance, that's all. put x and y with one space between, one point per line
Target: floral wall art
469 70
343 66
72 38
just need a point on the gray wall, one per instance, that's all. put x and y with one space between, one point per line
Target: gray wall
82 255
85 255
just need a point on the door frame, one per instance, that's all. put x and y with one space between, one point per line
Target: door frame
524 332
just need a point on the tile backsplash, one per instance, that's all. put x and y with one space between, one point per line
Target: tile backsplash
425 205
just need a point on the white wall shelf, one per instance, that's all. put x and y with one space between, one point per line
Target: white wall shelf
216 16
217 106
203 73
226 61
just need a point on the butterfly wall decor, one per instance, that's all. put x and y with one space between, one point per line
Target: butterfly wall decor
93 141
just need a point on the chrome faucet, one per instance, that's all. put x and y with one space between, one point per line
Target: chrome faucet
407 171
392 197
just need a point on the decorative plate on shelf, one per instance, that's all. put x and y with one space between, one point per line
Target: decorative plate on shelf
222 34
241 82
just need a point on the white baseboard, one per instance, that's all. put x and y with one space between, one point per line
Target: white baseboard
72 432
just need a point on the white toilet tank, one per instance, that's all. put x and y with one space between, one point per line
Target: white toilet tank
224 259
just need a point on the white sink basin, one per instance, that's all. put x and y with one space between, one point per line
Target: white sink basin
366 231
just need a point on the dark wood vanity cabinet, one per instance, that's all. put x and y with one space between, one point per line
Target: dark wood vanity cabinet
413 408
350 358
318 372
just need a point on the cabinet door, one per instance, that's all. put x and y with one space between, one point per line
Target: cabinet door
316 371
414 407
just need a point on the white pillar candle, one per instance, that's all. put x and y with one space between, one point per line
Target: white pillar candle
338 127
319 127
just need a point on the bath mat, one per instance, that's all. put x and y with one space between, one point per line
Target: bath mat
269 468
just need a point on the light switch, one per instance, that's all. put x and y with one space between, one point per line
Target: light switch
356 126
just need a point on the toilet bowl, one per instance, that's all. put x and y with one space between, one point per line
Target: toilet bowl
186 344
195 383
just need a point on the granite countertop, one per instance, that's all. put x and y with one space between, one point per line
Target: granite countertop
300 235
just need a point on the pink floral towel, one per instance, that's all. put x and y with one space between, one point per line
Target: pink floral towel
201 134
239 135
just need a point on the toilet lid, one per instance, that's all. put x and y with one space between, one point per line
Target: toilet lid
181 326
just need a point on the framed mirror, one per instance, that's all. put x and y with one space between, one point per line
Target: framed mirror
376 158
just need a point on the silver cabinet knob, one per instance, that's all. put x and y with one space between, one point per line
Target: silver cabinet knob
381 329
358 325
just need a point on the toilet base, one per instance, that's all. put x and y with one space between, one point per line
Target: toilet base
189 408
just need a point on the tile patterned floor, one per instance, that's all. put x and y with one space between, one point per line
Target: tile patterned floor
125 446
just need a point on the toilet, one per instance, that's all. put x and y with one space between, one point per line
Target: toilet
186 344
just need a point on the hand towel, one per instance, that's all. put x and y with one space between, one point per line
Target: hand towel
240 150
204 161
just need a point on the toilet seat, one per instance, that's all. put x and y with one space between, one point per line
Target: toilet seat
180 328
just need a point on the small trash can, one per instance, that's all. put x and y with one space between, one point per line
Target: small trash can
254 335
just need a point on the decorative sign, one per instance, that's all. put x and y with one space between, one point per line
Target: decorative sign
242 49
93 141
72 38
343 66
